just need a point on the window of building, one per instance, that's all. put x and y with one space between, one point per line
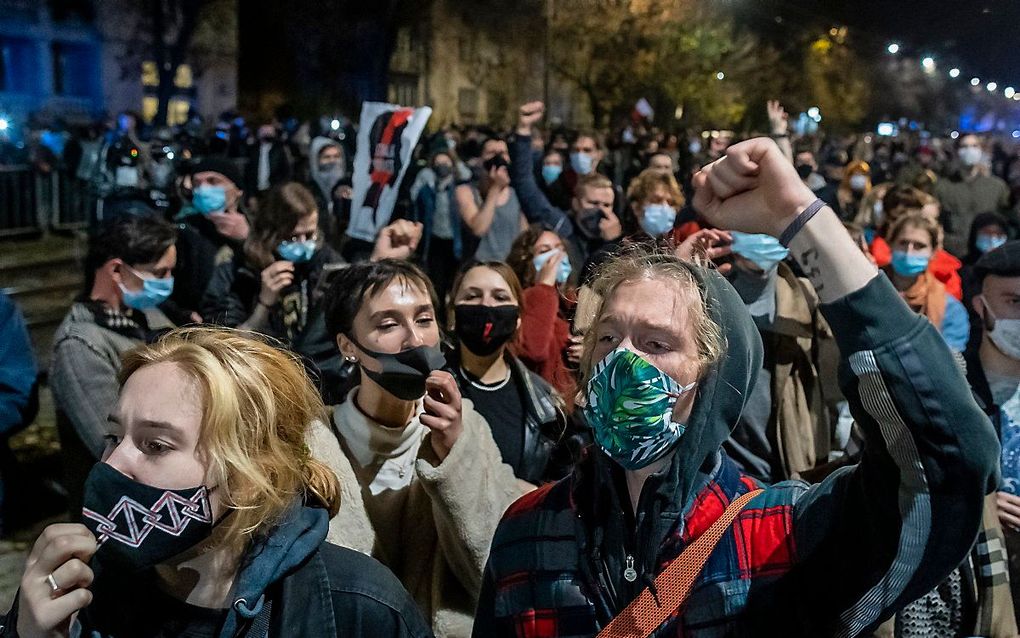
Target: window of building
150 75
403 89
467 103
19 67
74 69
498 105
176 113
183 78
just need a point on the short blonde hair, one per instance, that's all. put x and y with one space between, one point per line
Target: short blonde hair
642 187
646 262
257 404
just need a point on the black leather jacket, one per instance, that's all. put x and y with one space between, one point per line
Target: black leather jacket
550 444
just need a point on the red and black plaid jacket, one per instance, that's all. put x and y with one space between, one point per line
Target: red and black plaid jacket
539 588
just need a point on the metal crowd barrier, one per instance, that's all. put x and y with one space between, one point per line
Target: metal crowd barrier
32 202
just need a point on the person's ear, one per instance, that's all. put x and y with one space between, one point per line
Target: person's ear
575 203
115 268
347 348
978 303
234 195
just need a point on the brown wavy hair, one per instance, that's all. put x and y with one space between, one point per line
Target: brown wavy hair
278 214
522 253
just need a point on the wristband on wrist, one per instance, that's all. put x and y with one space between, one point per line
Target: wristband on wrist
259 301
779 136
798 223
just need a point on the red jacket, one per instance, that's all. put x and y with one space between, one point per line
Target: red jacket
543 339
942 266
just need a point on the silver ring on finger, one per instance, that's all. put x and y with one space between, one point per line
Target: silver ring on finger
54 587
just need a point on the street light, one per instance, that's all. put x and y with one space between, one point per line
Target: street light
720 75
893 48
991 86
335 125
1009 91
4 124
928 63
954 72
954 134
975 81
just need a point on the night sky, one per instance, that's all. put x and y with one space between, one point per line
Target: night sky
981 37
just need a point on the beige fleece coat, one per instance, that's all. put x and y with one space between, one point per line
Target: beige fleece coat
452 511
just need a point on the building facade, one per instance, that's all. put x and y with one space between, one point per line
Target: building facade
78 59
476 63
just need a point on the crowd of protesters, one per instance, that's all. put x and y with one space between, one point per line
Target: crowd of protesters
657 384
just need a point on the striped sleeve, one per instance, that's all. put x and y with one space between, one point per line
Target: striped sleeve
888 530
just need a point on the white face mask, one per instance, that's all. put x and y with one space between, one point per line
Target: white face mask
858 182
1006 333
969 155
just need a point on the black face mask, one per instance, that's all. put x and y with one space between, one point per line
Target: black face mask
804 170
443 171
139 526
496 161
588 221
403 374
484 329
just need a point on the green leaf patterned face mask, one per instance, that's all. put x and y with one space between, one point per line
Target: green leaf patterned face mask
630 409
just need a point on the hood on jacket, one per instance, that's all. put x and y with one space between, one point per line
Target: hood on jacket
272 557
322 180
721 395
722 391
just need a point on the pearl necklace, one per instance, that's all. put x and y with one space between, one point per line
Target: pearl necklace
484 387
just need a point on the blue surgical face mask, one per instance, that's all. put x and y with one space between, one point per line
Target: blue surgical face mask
551 172
764 250
154 292
297 251
209 199
988 243
564 272
582 163
658 219
909 265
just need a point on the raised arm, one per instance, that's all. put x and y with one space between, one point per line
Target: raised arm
779 122
479 218
899 522
535 204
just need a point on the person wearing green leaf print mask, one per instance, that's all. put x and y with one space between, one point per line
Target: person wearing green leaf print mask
669 362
